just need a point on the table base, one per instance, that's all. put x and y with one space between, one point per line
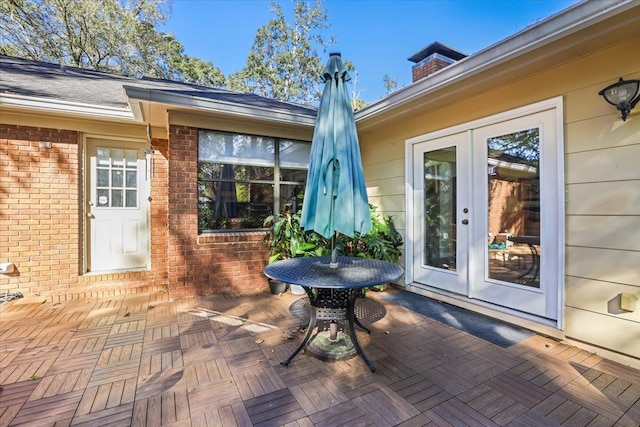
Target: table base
333 305
323 348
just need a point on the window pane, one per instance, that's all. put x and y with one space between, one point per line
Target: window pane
225 205
103 198
440 183
116 198
514 207
116 178
132 179
103 157
237 182
117 158
102 178
294 154
293 175
132 159
222 147
132 198
291 198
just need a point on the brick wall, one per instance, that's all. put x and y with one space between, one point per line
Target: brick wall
39 193
211 263
41 224
506 207
427 68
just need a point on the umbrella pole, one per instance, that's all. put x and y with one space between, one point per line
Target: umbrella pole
334 252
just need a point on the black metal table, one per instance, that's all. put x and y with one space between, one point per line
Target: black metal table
531 242
333 291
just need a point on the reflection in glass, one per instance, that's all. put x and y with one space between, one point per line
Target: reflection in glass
116 198
132 159
117 158
102 179
132 199
440 208
513 179
132 179
104 158
116 178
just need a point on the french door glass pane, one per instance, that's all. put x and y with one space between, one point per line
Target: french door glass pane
440 182
513 171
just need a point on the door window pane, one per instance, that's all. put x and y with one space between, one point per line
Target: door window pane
132 199
116 178
102 179
440 208
513 178
132 179
116 198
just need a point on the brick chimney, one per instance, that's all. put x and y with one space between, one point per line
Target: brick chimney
433 58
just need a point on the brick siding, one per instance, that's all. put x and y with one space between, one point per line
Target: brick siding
427 68
41 224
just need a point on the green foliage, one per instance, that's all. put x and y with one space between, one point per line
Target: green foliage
118 36
287 240
390 84
284 63
382 242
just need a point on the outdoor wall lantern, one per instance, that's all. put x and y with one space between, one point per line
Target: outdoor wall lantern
624 95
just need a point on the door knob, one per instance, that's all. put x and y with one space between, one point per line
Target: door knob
90 215
465 221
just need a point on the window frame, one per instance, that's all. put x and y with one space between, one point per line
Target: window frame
276 183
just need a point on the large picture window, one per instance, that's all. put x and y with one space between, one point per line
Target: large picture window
242 179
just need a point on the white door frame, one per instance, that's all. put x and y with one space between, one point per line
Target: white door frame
556 181
86 213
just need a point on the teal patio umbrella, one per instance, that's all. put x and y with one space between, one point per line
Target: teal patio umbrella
335 197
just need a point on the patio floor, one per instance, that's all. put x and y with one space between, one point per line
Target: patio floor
215 361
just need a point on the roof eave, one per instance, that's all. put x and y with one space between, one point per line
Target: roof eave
216 106
51 105
554 28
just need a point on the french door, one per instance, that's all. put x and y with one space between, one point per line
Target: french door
487 211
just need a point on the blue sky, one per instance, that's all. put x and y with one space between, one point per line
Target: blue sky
377 36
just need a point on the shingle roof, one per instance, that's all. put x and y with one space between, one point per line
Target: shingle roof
70 84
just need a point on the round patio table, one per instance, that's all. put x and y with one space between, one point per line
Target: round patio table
333 291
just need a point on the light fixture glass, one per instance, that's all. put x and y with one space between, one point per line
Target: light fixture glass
624 94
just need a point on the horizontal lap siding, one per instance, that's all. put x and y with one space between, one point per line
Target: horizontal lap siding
603 215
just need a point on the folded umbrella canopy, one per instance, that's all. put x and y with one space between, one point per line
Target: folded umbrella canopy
335 197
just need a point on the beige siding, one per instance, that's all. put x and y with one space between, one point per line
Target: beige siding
603 231
603 198
602 173
599 297
604 331
602 183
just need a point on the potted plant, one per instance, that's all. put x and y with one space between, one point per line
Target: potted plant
287 240
383 242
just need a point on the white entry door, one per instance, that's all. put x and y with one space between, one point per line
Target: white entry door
117 206
487 212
